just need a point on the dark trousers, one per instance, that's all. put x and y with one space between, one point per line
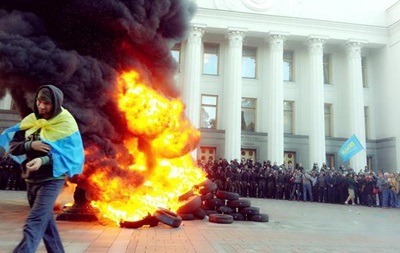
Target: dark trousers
40 223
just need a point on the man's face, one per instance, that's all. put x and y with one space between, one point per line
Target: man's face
45 108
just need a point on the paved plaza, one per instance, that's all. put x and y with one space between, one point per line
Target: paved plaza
293 227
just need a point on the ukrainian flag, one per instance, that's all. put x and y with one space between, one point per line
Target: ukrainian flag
351 147
63 136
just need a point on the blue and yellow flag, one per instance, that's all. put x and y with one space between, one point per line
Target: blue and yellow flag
351 147
61 133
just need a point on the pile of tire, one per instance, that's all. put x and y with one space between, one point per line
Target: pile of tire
220 206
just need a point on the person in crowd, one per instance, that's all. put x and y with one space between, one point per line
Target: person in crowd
228 178
393 191
385 188
253 182
271 184
379 180
322 190
307 182
351 186
262 183
49 138
341 191
368 188
314 185
328 185
280 184
237 177
331 183
296 189
245 181
288 183
218 177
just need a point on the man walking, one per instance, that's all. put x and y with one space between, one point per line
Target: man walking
50 142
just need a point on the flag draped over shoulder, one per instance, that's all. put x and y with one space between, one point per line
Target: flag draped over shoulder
61 133
351 147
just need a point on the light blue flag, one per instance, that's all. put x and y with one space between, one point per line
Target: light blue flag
351 147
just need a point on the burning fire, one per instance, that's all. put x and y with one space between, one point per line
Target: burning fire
160 139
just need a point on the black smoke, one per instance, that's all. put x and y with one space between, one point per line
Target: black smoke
82 46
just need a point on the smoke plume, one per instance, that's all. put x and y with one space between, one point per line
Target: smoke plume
82 46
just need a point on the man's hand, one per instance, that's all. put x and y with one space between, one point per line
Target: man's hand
40 146
34 164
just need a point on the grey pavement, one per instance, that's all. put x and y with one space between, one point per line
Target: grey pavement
293 227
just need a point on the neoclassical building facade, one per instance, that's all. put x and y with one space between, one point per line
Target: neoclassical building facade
286 82
291 80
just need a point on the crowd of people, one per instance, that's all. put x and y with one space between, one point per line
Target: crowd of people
258 179
10 175
267 180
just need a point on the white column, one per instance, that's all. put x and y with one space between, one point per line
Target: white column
316 101
355 93
274 98
233 95
191 80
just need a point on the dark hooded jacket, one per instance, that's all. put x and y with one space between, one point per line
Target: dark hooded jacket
20 145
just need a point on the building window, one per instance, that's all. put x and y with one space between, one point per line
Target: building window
247 154
366 121
208 153
288 117
327 68
176 54
249 114
210 59
330 160
288 66
208 117
328 119
249 62
364 71
370 163
289 158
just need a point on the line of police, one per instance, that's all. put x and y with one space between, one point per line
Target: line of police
10 175
326 185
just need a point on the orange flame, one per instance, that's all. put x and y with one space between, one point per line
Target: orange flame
160 140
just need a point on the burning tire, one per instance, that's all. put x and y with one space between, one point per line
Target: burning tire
227 195
193 203
167 217
259 217
220 218
208 188
186 195
149 220
204 183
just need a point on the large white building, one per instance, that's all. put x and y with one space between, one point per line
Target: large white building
291 80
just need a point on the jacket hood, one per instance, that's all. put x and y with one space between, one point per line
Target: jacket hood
57 99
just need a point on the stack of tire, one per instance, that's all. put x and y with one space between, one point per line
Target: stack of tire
220 206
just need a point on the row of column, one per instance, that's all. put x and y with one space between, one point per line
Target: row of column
233 94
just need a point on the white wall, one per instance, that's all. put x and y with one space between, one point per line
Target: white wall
369 12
